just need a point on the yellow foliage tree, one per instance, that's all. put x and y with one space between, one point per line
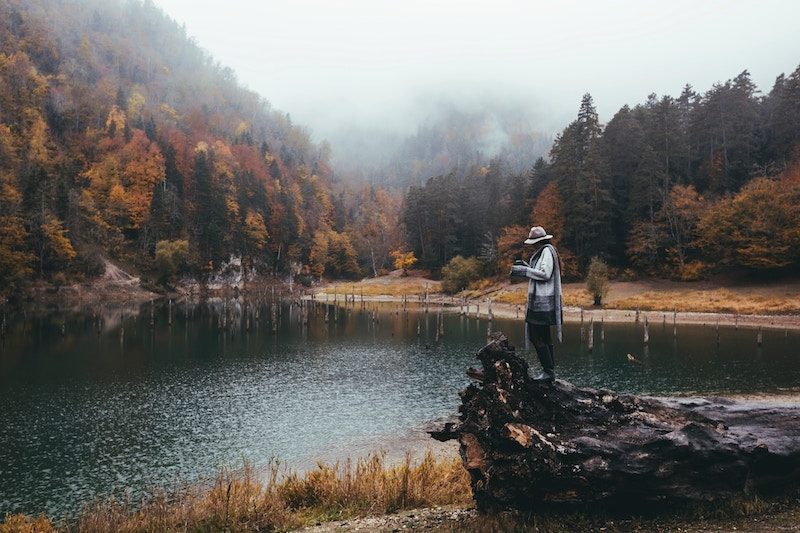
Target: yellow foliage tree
403 260
255 231
55 244
144 168
318 255
115 122
15 259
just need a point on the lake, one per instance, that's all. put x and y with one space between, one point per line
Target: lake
98 401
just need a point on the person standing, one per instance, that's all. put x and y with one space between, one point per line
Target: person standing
544 299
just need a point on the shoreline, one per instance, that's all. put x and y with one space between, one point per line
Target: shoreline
575 314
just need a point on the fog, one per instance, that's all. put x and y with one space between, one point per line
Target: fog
370 72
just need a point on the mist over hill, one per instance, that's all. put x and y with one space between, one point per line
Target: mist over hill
452 136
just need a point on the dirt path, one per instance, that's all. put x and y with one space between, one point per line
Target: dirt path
774 517
115 286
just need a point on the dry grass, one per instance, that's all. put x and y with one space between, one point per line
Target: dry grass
384 286
244 501
518 295
18 523
711 301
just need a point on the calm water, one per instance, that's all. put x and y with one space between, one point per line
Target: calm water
89 411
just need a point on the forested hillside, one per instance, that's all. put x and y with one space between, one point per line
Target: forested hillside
121 138
677 187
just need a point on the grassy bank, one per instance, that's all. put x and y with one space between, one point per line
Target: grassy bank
372 495
242 501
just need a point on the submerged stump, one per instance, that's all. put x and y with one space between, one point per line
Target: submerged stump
526 444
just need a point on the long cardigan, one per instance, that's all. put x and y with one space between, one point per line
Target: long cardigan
544 289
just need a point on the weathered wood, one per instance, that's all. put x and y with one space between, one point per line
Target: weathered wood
525 444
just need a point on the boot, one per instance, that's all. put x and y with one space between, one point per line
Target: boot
545 354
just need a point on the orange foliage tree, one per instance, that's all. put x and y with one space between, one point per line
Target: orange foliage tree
548 212
757 228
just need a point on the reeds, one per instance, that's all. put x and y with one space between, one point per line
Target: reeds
251 500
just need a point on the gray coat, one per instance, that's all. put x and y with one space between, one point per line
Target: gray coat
544 288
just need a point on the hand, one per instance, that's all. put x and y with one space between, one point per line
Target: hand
518 270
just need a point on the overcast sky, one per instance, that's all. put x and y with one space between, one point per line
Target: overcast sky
337 64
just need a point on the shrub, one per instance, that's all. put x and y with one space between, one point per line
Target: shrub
597 280
403 260
693 271
460 272
171 258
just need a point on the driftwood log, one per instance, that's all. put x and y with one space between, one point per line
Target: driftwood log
525 443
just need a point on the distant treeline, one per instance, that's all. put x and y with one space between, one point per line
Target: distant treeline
674 187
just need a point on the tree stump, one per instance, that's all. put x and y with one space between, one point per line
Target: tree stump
525 444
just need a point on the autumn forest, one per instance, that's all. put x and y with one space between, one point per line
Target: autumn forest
121 139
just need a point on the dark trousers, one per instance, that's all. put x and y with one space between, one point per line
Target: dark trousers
542 340
539 334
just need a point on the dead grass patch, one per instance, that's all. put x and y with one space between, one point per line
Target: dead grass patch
518 295
243 500
711 301
385 286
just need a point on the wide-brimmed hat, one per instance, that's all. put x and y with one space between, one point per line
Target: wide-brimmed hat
537 234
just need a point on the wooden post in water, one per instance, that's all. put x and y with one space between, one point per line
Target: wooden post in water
716 329
122 335
152 312
637 315
582 332
169 315
675 323
590 340
646 332
418 327
602 328
759 338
